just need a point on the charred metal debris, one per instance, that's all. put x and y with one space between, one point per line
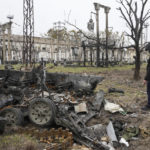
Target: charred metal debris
46 98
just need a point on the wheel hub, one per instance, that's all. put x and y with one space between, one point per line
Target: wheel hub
40 113
11 118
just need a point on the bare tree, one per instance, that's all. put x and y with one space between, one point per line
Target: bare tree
135 16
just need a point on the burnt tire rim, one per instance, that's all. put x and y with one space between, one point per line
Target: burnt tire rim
40 113
11 118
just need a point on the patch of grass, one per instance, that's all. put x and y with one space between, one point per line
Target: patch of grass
93 70
18 142
1 67
17 67
89 70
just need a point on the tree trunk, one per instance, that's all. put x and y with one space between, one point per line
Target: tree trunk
137 65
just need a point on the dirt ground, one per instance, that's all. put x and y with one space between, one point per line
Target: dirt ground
133 99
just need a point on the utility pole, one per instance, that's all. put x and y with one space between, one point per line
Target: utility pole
4 46
9 41
4 27
9 24
84 52
146 31
106 12
28 31
97 8
1 50
90 27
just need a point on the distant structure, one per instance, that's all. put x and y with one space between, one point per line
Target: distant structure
28 31
69 50
3 28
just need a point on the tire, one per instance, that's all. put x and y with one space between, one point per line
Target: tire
13 116
42 112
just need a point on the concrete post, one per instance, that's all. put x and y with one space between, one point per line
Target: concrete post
97 8
4 46
106 12
9 41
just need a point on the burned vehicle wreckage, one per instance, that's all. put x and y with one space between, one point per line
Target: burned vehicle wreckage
67 100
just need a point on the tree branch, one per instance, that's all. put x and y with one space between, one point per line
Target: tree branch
128 18
122 47
88 37
143 48
141 17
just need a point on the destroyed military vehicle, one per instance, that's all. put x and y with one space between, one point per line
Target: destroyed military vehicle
52 97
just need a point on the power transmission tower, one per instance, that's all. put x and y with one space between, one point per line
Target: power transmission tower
28 31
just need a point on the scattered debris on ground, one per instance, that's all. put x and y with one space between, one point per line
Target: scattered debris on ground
120 125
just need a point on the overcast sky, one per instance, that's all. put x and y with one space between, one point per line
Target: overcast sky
49 11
